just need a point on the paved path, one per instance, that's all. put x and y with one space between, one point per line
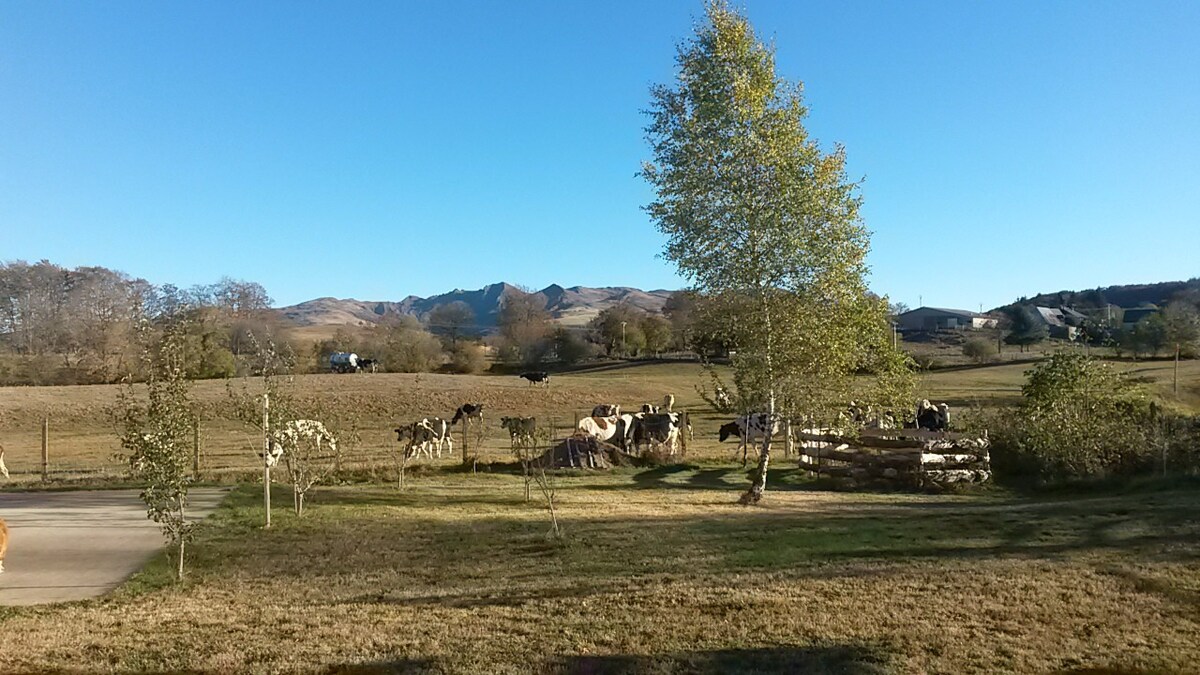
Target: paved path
75 545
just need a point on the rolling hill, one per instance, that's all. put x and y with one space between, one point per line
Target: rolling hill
572 306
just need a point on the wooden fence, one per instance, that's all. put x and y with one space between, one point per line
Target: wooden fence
900 457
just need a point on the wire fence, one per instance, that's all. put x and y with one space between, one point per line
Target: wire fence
225 449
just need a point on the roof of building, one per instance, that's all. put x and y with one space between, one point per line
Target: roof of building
1052 316
955 312
1136 314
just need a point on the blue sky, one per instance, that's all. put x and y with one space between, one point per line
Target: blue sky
377 150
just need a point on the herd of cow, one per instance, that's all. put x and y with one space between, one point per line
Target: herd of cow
654 427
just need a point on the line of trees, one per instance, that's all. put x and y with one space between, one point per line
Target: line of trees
63 325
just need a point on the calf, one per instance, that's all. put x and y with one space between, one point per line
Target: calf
537 377
520 429
3 543
472 412
750 428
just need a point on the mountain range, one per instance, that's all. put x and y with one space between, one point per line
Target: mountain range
573 306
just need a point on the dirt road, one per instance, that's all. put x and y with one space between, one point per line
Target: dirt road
75 545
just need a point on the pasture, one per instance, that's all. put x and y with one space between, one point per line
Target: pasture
84 440
658 570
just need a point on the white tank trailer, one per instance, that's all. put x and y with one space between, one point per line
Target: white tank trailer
343 362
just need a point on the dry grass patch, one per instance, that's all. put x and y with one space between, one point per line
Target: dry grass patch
659 572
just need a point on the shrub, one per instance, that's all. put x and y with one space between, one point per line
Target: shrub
978 350
468 358
1078 418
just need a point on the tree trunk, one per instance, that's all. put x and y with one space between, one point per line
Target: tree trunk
179 570
759 486
1175 385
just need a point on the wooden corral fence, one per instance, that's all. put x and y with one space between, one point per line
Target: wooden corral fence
901 457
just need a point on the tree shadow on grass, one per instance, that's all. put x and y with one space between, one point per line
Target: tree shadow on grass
845 659
402 665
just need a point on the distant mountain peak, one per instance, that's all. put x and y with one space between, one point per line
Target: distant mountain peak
570 306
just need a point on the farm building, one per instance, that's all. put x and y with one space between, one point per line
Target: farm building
1061 322
937 318
1134 315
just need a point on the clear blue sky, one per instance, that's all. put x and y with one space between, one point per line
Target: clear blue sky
376 150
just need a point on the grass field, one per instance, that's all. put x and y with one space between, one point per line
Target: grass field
658 573
83 436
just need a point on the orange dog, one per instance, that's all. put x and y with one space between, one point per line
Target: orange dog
3 542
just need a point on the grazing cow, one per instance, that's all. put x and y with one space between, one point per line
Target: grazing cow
3 543
657 430
368 364
290 434
606 410
749 429
520 429
537 377
722 399
932 417
473 412
3 469
427 435
601 428
419 437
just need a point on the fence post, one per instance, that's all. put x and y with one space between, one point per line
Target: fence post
46 448
196 449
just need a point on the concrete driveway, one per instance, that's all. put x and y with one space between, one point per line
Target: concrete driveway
76 545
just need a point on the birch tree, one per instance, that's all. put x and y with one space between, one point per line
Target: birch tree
765 226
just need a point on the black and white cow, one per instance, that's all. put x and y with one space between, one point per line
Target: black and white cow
750 429
472 412
427 436
657 430
285 439
606 410
520 429
932 417
537 377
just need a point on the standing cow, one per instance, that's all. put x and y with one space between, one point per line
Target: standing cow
749 429
536 377
521 430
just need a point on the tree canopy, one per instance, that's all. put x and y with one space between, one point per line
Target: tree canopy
765 226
